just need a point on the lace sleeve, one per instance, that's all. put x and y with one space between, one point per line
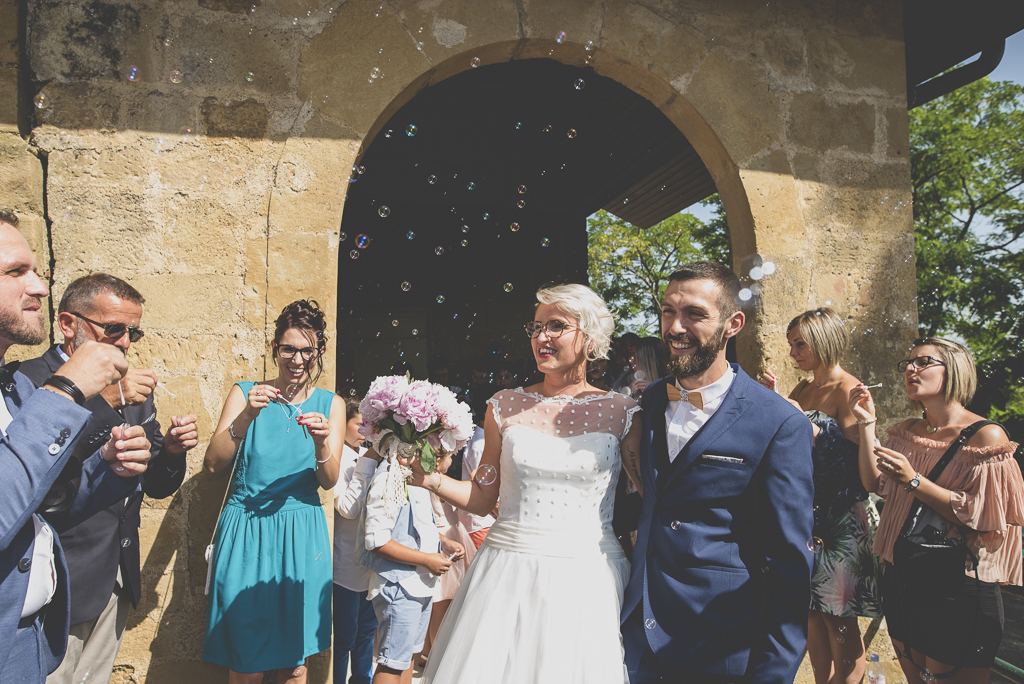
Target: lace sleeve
496 407
630 410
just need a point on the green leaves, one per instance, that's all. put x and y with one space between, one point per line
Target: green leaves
428 458
630 267
967 169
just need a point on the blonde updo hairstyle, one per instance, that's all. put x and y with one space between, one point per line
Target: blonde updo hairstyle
825 333
591 314
961 374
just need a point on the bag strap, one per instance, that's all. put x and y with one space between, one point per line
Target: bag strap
954 446
227 490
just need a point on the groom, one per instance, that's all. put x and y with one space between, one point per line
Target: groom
720 583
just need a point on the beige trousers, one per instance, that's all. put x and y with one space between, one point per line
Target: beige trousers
93 646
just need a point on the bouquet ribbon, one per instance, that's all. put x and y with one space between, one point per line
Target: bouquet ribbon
395 494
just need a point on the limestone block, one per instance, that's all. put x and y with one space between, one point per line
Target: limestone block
447 28
9 48
9 98
82 41
247 118
728 92
818 124
775 204
300 267
897 133
648 39
189 302
80 106
785 54
861 63
578 20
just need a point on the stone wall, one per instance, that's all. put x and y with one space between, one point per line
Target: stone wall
200 149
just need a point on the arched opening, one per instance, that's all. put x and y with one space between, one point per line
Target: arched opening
476 191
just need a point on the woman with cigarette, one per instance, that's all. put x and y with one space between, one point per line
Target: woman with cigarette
844 581
270 594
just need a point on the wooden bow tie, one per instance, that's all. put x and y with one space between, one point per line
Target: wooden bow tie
694 398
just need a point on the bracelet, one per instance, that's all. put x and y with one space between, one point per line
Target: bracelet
329 456
65 385
867 422
231 430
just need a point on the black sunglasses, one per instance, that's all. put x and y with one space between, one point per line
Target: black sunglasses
114 330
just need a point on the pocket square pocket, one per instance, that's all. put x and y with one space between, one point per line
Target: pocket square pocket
722 459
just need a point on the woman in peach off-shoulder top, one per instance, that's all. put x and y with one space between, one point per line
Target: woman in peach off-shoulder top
980 493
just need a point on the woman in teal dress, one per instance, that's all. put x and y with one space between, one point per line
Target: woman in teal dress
270 594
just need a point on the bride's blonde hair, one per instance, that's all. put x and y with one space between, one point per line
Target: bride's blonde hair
591 314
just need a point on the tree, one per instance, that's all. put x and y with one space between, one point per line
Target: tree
630 267
967 168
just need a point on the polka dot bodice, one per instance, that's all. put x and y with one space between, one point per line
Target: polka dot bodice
560 462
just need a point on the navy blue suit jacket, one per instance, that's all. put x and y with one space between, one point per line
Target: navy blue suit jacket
42 420
721 566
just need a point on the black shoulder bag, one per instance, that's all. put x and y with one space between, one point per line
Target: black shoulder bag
929 565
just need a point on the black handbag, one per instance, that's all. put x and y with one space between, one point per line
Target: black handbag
930 565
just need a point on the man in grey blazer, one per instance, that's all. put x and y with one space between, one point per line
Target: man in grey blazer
39 431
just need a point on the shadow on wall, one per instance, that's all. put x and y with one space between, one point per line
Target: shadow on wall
180 610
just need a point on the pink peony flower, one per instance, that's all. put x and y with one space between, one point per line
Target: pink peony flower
418 405
385 395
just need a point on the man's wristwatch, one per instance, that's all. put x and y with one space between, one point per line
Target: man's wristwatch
914 483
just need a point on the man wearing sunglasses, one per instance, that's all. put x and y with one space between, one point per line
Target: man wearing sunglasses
103 551
40 431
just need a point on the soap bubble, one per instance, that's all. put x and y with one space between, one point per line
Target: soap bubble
756 273
589 46
522 189
410 235
486 474
650 623
354 176
768 267
475 62
560 37
363 241
470 185
41 101
465 242
374 73
676 525
547 129
133 73
410 130
406 286
486 216
571 133
342 236
249 76
167 42
579 84
545 242
745 294
440 299
394 323
431 179
508 287
514 227
521 203
384 211
354 254
415 332
175 76
519 125
814 544
439 250
465 228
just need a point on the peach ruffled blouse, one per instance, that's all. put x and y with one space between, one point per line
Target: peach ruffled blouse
987 495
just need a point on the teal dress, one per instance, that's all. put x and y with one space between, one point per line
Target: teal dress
270 598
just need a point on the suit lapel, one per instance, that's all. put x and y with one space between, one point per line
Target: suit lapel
734 405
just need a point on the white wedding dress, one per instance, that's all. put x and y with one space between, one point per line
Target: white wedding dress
540 603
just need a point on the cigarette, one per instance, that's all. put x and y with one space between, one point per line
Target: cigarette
872 386
161 386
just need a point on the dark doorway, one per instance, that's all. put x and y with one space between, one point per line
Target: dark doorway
475 193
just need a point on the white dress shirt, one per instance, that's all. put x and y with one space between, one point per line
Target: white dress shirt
682 419
42 576
355 472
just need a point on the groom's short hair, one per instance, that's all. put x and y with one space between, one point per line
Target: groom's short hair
727 281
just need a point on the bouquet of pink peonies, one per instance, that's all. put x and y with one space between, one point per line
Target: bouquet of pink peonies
403 418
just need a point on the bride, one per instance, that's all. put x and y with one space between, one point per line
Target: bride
540 602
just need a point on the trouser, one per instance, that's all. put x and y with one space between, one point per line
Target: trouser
93 645
25 664
354 624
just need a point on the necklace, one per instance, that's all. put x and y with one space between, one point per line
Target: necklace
932 430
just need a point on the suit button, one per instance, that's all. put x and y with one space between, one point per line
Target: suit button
54 449
652 551
125 543
25 564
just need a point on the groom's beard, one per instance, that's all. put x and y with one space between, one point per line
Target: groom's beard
682 367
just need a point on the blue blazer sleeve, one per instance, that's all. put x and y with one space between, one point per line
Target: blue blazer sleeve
787 490
27 468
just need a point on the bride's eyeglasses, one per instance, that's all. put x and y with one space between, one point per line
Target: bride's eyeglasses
553 328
